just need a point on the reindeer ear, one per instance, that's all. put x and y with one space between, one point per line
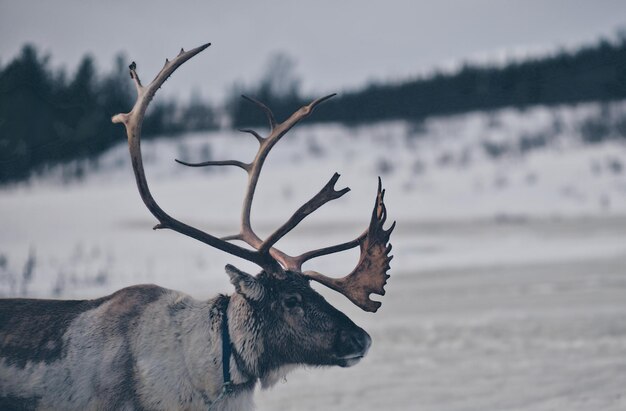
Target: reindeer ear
245 284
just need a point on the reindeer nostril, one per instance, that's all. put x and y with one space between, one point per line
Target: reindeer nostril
356 342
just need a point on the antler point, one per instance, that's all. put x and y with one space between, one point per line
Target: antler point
392 227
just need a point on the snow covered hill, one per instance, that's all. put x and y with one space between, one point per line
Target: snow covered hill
537 162
508 287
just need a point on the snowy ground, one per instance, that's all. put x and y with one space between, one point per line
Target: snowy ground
508 288
500 317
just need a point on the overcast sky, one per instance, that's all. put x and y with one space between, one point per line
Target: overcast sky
337 44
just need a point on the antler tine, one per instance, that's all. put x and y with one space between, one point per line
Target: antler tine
133 122
309 255
266 110
326 194
240 164
370 274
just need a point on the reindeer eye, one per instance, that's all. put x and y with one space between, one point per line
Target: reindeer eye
291 301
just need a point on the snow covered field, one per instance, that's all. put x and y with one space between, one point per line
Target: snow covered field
480 326
508 289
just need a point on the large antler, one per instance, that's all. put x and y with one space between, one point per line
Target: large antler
369 276
133 121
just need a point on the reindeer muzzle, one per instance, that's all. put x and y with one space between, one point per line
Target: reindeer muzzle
352 346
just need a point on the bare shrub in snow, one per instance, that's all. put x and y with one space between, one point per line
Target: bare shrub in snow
493 149
529 142
314 148
29 271
445 159
594 130
384 167
614 165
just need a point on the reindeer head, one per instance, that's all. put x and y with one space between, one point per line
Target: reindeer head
299 326
281 294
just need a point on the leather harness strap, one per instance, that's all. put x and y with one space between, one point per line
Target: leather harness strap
226 350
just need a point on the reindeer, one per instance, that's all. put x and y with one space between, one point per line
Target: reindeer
149 348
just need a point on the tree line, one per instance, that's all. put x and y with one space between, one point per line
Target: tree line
593 73
48 117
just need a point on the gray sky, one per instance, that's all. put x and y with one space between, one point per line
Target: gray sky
337 44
